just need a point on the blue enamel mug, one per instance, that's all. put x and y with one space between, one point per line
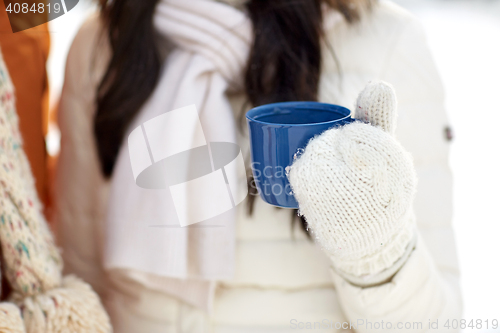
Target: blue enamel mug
279 133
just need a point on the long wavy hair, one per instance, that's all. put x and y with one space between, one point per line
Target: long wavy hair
284 63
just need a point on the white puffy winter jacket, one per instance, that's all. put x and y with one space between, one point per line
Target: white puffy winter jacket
283 282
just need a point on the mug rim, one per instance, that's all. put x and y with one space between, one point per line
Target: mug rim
309 104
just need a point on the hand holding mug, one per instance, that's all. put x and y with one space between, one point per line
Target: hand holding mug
355 186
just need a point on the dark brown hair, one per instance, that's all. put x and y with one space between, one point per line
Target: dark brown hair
131 76
284 62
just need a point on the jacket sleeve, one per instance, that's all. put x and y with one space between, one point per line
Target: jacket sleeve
77 234
426 288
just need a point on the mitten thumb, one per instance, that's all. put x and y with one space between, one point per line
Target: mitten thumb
377 105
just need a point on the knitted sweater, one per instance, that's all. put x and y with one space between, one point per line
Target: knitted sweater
30 260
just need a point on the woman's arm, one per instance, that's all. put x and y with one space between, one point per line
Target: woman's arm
380 272
78 180
427 286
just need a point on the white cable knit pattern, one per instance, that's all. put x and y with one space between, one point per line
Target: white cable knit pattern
355 186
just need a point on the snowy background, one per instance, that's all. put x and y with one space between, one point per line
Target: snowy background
465 39
464 36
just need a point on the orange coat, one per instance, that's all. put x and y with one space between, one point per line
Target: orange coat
25 54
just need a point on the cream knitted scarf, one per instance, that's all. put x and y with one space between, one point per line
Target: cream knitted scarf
143 233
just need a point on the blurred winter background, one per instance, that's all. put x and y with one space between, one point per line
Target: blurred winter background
465 39
464 36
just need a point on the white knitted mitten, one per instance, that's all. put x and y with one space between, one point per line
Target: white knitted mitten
355 186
